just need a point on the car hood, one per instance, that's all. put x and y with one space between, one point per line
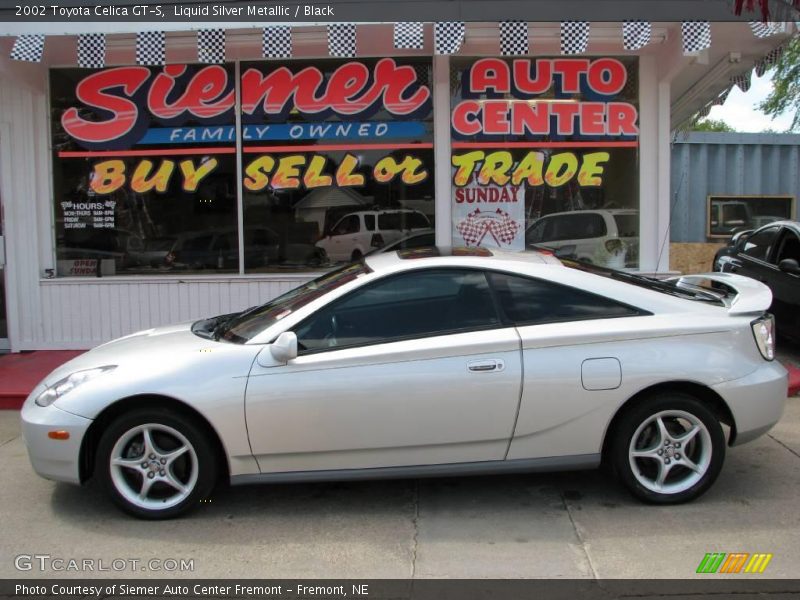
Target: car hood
157 347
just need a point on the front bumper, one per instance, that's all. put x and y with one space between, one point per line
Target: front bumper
58 460
756 401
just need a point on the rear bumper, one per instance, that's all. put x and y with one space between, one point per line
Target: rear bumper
756 401
53 459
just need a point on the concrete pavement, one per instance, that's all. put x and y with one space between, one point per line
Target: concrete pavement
567 525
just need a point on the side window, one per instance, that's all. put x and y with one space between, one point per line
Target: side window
790 247
578 227
369 222
410 305
347 225
759 245
527 301
536 232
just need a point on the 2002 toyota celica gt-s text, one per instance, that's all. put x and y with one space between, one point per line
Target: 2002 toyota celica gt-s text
423 362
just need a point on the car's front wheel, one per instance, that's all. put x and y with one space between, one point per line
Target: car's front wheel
156 463
668 449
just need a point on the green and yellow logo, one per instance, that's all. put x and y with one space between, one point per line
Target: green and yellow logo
735 562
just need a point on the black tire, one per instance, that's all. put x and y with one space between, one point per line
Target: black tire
200 459
681 484
356 256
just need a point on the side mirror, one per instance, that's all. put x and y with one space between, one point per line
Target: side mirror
284 348
789 265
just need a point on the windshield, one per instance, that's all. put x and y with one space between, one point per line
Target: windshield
242 327
673 288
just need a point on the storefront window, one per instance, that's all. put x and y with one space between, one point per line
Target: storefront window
144 170
338 159
545 153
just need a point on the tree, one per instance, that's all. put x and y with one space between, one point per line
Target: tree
785 95
712 125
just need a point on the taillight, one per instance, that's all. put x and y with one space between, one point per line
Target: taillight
377 241
764 333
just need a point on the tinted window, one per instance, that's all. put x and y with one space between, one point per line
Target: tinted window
529 301
411 305
347 225
388 221
416 221
790 247
369 222
576 227
627 225
759 244
536 232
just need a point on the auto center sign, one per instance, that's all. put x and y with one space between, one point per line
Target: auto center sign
287 113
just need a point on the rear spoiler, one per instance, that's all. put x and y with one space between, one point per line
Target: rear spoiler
742 295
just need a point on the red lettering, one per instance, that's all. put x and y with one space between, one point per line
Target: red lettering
465 120
565 116
202 97
570 70
622 119
489 73
607 76
495 117
530 118
92 91
540 83
593 118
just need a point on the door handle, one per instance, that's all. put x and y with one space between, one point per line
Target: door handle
486 366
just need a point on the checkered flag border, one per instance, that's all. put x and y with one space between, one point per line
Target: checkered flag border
574 37
761 29
742 81
448 36
276 41
720 100
28 47
151 48
636 34
696 36
211 46
92 50
769 61
513 38
342 40
409 35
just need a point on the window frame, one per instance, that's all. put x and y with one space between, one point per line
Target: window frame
501 321
770 249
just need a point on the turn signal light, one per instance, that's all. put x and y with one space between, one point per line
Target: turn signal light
58 435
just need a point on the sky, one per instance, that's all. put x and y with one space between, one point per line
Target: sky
740 112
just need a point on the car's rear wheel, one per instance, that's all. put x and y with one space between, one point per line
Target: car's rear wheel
156 464
668 449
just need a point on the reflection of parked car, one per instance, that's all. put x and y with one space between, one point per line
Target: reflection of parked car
220 249
354 235
771 255
605 237
421 239
456 362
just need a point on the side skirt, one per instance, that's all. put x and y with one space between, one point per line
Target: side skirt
491 467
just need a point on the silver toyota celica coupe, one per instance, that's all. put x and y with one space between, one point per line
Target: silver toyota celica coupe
417 363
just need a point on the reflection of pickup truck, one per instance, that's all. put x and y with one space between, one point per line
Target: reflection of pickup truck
729 216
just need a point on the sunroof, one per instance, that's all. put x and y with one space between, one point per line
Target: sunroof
434 251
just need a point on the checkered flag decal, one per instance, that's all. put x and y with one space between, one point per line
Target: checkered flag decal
742 81
636 34
408 35
448 36
342 39
574 37
276 41
28 47
211 46
763 30
513 38
92 50
498 225
151 48
696 36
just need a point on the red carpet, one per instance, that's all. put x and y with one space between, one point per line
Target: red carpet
19 373
794 379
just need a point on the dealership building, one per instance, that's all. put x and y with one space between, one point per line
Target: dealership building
157 174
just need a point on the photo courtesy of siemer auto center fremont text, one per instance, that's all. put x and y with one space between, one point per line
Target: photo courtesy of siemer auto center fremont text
400 300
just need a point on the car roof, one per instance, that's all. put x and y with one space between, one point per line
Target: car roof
481 257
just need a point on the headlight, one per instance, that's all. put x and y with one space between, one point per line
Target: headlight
69 383
764 332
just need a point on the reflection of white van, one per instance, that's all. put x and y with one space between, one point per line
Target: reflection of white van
357 233
603 237
729 216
